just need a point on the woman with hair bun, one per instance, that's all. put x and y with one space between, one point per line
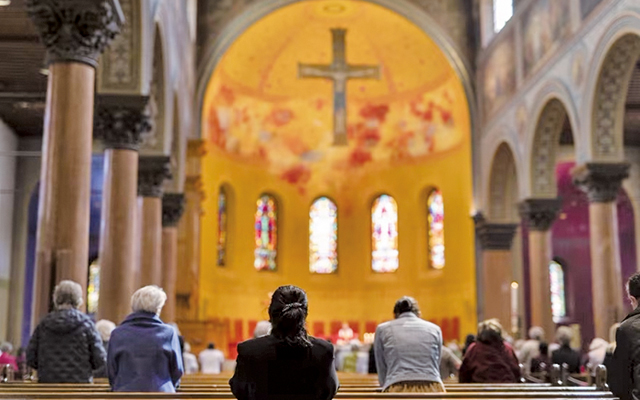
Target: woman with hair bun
287 363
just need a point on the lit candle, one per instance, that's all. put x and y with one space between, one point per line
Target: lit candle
514 307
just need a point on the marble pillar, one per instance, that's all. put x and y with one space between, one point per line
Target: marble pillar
539 215
152 172
602 183
74 33
187 290
121 122
496 241
172 209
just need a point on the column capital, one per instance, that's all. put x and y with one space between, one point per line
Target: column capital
76 30
539 214
196 148
494 236
172 209
601 181
121 121
152 171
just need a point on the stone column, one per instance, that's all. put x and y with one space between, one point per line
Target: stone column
74 32
187 289
152 171
496 241
120 123
602 182
172 209
539 215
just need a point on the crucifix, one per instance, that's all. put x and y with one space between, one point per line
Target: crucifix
339 72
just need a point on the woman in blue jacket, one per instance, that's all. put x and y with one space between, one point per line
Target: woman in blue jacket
144 353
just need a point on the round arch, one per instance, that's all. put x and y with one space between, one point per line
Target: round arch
503 194
546 138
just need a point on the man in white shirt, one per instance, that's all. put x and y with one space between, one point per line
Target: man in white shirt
211 360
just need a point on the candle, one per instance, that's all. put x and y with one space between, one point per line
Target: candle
514 307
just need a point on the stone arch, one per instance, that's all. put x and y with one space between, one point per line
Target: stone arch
616 57
545 143
503 186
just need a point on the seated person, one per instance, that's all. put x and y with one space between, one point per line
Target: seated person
66 347
565 354
490 359
211 360
144 352
287 363
542 363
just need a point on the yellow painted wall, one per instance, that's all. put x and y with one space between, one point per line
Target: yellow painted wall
238 291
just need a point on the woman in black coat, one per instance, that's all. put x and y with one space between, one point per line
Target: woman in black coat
287 363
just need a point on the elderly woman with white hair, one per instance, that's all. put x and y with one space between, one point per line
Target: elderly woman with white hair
66 347
565 354
144 353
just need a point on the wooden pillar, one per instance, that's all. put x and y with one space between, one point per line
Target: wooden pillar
497 272
187 290
172 209
539 215
62 244
120 123
152 171
602 183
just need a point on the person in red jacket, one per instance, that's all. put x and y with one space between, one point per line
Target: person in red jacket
490 359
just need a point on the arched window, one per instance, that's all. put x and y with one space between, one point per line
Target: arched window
435 205
222 227
266 233
558 297
502 13
93 287
323 236
384 234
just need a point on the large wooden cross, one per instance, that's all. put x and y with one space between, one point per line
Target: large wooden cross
339 72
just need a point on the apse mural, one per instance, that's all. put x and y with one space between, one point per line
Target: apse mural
331 99
435 203
384 226
266 234
222 227
323 237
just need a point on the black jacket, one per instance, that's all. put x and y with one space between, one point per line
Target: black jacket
566 355
268 368
65 348
624 368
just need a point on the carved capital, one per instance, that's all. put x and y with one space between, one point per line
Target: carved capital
196 148
76 30
121 121
601 181
152 171
494 236
172 209
540 214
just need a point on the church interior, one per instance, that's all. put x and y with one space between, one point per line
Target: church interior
481 156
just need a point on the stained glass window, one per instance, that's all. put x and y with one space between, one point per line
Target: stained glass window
384 226
323 237
222 227
558 299
93 288
266 233
435 205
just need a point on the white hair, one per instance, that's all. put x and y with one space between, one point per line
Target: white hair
6 347
187 347
263 328
149 298
105 327
564 334
536 333
67 294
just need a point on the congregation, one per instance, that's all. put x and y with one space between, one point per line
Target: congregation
143 354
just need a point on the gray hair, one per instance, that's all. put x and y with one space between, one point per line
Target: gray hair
67 294
104 328
149 298
564 334
536 333
6 347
